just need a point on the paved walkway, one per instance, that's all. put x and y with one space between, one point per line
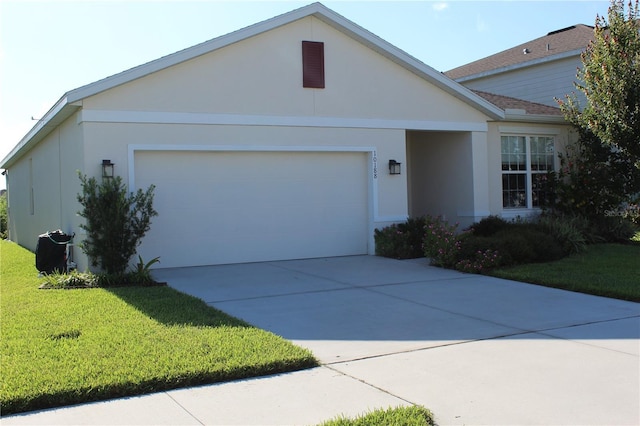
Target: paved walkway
473 349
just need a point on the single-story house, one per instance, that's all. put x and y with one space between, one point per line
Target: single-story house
281 141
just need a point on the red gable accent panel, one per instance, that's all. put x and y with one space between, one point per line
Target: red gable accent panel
313 64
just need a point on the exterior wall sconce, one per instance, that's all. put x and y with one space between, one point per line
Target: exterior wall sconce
394 167
107 169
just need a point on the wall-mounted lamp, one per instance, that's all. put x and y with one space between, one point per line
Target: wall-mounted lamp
107 169
394 167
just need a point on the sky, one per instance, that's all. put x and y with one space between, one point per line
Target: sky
50 47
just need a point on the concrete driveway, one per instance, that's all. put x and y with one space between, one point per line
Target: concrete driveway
473 349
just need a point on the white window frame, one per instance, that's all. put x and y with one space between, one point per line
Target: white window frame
528 172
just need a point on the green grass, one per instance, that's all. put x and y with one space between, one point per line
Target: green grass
610 270
401 416
60 347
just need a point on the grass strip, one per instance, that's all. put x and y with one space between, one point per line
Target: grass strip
609 270
405 416
61 347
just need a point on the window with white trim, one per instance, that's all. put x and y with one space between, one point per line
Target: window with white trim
526 161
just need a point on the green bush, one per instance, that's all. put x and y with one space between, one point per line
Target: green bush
480 262
613 229
489 226
441 242
3 216
115 221
75 279
513 244
527 243
631 212
568 230
493 241
402 240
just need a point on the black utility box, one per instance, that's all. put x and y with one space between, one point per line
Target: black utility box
51 252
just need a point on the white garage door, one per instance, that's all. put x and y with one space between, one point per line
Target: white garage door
233 207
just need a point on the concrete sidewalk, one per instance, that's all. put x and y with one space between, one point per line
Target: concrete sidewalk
473 349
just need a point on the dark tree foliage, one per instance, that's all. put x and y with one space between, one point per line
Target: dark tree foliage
593 181
600 173
610 80
115 221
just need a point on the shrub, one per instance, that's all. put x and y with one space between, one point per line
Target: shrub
402 240
441 242
3 216
489 226
73 279
568 230
141 275
527 243
631 212
613 229
481 262
114 220
515 243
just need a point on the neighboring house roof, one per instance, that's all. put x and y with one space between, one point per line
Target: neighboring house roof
570 41
508 104
70 101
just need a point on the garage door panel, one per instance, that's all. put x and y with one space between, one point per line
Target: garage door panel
231 207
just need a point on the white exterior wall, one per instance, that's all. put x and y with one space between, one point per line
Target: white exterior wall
538 83
441 174
50 169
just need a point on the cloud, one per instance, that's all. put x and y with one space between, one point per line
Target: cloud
440 6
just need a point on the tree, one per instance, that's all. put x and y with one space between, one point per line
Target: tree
600 173
593 181
115 221
610 80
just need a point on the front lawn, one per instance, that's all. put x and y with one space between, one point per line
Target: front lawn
610 270
60 347
406 416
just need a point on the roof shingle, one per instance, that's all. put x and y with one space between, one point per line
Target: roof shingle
506 102
576 37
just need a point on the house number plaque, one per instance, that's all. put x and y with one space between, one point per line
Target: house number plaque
375 165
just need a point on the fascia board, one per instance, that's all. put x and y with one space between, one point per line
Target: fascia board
56 115
521 65
536 118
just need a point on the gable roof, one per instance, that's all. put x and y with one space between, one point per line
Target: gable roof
508 103
566 42
70 101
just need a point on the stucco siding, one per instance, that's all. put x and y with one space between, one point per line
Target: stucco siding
115 139
538 83
262 75
441 175
37 200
